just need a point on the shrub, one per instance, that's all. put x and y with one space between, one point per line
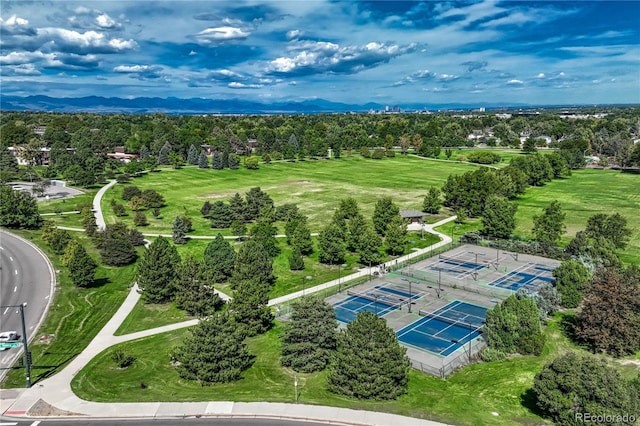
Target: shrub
122 359
483 157
378 154
490 355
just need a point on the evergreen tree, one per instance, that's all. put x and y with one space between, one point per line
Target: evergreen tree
163 155
220 215
115 246
219 259
214 352
572 279
203 161
82 267
383 212
238 208
256 200
192 155
179 231
234 161
432 201
368 252
549 227
118 209
194 290
331 245
131 191
239 229
152 199
140 219
89 221
144 152
216 161
369 363
252 263
309 337
264 233
157 270
250 304
301 239
205 209
292 221
224 158
499 217
396 239
296 262
356 229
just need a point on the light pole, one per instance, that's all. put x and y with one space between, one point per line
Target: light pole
25 345
340 266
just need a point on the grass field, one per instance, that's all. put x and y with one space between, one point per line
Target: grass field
467 398
582 195
75 316
316 186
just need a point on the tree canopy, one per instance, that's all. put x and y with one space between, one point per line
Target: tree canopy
309 337
369 363
157 270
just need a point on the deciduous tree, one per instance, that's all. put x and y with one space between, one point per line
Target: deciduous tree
572 279
549 227
396 239
384 210
331 245
499 217
432 201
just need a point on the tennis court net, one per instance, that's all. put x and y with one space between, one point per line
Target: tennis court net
457 260
378 297
466 325
436 280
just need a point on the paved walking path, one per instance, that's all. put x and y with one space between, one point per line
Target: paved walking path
56 391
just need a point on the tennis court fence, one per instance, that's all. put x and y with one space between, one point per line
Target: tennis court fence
453 362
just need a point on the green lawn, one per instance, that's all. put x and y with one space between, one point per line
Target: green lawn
582 195
315 186
466 398
75 316
69 204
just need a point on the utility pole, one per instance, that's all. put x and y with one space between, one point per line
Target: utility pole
25 345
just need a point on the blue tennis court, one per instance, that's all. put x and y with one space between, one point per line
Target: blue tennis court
445 330
455 266
516 280
387 300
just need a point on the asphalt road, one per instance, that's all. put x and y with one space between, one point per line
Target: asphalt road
25 277
158 422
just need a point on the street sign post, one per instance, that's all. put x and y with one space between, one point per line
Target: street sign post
7 345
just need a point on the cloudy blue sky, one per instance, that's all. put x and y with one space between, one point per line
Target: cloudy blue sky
391 52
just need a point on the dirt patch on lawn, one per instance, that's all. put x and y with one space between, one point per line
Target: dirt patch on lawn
42 408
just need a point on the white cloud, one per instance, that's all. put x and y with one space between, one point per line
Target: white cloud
541 75
515 82
294 34
105 21
131 68
88 41
221 34
238 85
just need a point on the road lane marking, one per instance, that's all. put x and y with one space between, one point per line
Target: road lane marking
5 311
46 297
15 289
8 424
11 258
36 423
16 271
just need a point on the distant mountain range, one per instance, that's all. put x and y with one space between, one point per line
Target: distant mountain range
100 104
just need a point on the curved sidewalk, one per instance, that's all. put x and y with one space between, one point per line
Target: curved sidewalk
56 391
57 394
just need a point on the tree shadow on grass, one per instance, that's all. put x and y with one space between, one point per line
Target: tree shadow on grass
52 369
568 324
529 401
99 282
